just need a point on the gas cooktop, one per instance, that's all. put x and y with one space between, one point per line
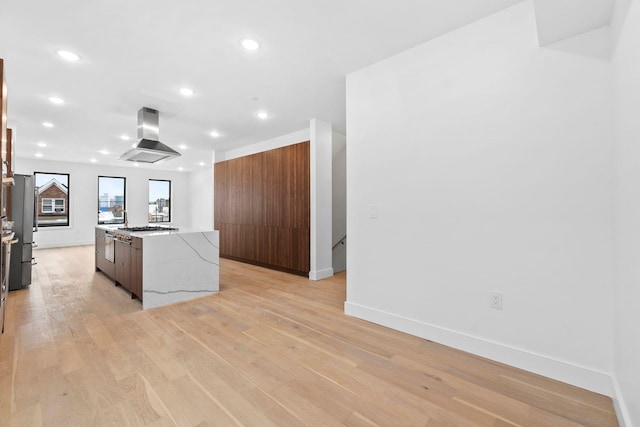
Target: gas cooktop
147 228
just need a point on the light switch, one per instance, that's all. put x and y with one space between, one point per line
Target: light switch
373 212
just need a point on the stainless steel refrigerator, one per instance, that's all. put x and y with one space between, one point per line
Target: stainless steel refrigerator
23 215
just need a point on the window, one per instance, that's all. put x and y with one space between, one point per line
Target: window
52 205
53 199
159 200
111 200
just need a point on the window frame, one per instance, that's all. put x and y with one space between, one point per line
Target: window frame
170 203
67 204
116 220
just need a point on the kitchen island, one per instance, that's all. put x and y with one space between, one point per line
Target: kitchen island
159 267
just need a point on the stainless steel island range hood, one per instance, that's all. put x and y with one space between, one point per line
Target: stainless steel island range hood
149 149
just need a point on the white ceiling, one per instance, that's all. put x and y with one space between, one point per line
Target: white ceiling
560 19
140 52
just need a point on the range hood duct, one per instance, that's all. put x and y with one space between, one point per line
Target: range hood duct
149 149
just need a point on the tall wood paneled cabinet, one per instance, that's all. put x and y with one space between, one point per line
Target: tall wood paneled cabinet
7 236
3 126
262 206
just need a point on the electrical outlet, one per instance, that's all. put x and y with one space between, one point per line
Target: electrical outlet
495 300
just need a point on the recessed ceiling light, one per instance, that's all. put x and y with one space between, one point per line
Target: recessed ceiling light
103 152
250 44
42 144
202 163
68 55
125 137
215 134
263 115
93 160
47 124
38 154
56 100
185 91
182 146
181 168
136 164
133 145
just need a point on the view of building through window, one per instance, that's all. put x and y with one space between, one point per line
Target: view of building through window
159 200
111 200
53 199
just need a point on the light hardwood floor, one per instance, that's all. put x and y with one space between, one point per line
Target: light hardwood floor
270 349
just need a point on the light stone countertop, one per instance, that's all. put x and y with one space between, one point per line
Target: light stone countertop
177 265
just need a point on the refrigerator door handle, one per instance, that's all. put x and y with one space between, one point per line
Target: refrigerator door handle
36 190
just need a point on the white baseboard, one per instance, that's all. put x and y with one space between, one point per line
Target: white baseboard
321 274
51 245
622 412
570 373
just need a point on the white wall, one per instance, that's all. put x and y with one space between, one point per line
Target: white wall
618 17
627 292
83 184
339 200
488 160
321 200
270 144
201 196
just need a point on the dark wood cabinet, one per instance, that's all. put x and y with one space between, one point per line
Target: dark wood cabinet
4 157
3 111
262 206
5 255
123 264
136 267
104 244
126 268
100 248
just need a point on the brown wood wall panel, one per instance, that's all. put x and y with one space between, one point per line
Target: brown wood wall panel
262 208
